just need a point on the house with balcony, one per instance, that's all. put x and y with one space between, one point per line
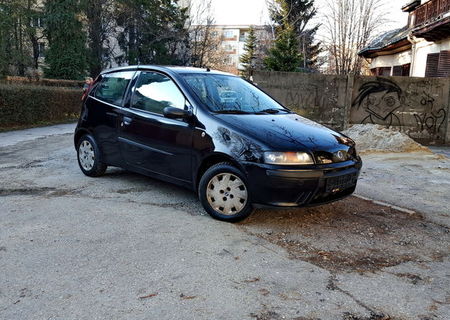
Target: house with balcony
420 49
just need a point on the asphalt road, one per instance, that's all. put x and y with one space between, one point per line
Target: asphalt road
125 246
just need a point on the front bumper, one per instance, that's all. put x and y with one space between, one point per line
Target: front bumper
298 187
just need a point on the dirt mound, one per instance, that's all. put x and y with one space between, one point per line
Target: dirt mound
376 138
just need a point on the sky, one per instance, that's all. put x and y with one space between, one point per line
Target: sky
245 12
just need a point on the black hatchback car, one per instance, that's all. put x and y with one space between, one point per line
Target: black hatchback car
216 134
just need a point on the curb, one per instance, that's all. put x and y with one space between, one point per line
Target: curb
408 211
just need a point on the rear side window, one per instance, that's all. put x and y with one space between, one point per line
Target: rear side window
112 87
155 91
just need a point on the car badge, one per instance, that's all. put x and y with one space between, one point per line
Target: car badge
340 155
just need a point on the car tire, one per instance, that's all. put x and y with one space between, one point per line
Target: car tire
223 192
89 157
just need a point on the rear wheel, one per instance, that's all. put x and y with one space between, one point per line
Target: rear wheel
224 194
89 157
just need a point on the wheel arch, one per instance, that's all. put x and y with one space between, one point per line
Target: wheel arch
211 160
78 134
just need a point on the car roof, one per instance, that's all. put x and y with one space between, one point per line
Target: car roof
168 69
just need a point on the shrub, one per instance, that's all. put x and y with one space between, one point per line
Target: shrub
44 82
28 105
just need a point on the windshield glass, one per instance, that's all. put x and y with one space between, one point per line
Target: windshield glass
229 94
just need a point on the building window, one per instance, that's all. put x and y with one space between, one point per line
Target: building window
243 36
401 71
229 48
41 49
37 22
228 34
382 71
438 64
227 60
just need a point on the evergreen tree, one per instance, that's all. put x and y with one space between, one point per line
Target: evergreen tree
153 31
100 27
284 55
15 45
249 57
298 14
5 39
66 55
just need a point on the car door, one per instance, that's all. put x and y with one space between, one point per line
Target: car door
103 111
148 140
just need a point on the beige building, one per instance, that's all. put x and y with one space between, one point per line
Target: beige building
420 49
232 42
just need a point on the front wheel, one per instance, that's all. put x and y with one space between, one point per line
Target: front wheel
224 194
89 157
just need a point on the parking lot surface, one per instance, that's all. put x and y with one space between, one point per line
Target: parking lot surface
125 246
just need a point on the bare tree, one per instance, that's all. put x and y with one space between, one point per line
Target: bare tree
350 26
205 40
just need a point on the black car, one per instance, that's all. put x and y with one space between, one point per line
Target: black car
216 134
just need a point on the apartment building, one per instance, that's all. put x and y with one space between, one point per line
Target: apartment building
232 42
420 49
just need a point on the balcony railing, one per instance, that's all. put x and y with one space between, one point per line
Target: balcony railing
430 11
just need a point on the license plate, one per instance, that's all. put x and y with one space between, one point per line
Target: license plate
340 183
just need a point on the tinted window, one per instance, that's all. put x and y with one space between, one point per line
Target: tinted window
155 91
222 93
112 87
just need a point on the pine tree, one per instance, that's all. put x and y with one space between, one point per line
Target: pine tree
100 27
298 15
5 38
153 31
15 31
284 55
66 55
249 57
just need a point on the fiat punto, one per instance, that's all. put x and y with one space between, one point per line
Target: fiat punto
216 134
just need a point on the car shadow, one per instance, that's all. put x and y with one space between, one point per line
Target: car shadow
147 190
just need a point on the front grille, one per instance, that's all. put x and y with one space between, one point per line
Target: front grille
327 197
303 197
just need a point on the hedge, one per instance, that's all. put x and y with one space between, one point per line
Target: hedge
43 82
30 105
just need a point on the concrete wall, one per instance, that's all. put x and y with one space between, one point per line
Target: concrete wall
416 106
316 96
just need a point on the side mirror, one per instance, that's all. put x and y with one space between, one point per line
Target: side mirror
175 113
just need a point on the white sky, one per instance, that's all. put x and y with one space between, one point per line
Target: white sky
239 12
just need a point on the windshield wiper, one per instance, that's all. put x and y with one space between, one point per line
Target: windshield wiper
273 111
233 112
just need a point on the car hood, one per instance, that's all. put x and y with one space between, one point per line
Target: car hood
286 132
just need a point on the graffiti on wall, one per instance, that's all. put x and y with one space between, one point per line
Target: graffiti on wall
380 99
304 95
317 100
416 108
432 119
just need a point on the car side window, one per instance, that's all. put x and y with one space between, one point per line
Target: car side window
112 87
155 91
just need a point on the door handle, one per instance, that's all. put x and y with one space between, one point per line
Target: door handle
126 121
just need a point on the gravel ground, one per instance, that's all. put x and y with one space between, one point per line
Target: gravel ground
416 180
124 246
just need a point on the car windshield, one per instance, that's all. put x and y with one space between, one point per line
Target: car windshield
230 94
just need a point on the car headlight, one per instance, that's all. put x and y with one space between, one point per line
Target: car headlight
288 158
